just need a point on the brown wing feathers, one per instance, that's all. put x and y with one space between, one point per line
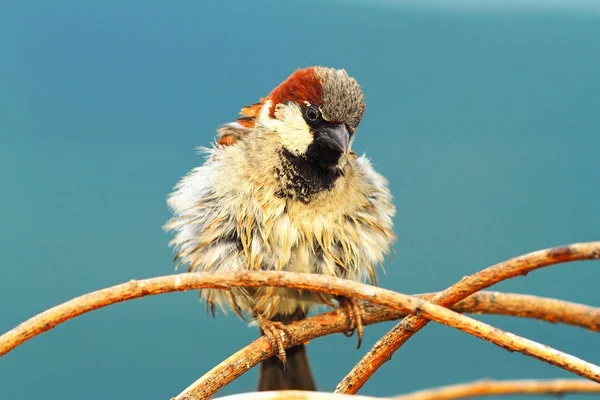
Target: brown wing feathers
227 137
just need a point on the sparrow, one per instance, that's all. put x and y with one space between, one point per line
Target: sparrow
281 190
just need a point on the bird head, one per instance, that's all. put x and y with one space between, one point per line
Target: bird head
314 113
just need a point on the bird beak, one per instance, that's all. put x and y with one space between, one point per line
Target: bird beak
336 137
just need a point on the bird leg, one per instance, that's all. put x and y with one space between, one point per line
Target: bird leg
355 313
275 332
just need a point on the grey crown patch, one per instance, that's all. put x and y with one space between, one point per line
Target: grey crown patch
342 96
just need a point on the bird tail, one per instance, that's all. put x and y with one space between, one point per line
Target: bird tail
297 375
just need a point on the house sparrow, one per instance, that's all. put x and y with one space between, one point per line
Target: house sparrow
281 190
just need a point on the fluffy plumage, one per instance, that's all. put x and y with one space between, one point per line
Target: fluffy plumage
242 209
281 190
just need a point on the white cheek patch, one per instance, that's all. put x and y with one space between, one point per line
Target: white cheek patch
290 125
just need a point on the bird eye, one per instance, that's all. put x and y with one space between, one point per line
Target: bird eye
312 113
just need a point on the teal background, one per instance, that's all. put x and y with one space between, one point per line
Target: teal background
484 117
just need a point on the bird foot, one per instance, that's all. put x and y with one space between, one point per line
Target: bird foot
275 332
355 313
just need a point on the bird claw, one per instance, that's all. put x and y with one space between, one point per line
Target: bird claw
355 313
275 332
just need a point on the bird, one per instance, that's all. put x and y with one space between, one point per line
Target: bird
282 190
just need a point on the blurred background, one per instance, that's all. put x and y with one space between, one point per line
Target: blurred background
483 115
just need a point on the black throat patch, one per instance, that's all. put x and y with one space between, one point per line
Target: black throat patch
303 177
